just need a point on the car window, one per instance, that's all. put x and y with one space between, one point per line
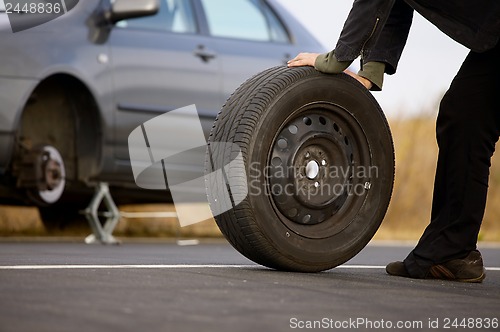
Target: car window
243 19
277 30
173 16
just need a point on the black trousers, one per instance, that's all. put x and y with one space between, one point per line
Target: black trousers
468 127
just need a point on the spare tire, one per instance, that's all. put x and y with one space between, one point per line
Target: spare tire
318 165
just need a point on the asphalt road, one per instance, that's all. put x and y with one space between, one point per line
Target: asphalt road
50 286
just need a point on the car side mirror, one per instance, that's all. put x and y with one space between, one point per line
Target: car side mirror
126 9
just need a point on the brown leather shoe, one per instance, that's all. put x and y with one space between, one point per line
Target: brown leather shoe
397 269
468 269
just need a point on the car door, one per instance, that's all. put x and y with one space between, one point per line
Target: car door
161 63
249 37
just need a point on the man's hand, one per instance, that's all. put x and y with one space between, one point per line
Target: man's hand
303 59
309 59
367 83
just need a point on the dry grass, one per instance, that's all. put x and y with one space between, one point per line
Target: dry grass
408 215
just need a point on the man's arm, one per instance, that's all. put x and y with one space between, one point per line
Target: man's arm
392 39
376 30
308 59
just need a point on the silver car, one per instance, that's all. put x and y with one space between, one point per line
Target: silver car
74 88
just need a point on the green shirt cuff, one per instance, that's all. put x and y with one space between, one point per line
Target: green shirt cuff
374 72
327 63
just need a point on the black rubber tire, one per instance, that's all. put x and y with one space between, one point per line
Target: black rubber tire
66 213
252 118
62 215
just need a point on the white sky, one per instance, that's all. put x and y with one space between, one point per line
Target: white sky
429 62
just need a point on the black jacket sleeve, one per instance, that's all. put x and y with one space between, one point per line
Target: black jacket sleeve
362 27
375 29
392 39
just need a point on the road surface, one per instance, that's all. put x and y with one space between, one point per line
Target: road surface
69 286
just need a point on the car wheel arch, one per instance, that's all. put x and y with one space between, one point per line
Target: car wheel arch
79 106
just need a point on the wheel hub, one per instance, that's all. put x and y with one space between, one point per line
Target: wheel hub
51 172
310 168
43 174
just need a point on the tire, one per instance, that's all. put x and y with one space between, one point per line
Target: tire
66 213
63 215
318 164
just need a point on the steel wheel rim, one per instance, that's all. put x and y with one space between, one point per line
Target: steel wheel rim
313 181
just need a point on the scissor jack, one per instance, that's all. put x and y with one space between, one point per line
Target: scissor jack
103 232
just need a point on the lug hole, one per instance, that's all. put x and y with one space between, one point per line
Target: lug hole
282 143
276 161
293 129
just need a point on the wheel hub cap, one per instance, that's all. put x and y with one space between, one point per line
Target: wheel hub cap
312 169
